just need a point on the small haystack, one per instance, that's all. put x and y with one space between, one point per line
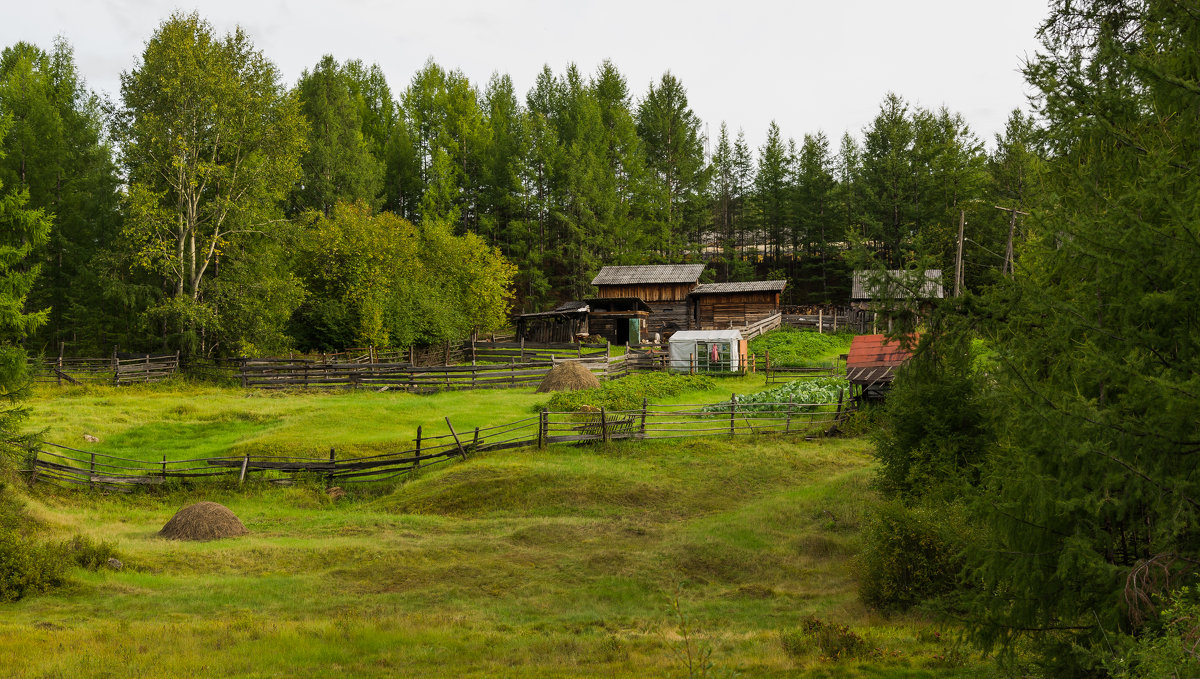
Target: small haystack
568 376
203 521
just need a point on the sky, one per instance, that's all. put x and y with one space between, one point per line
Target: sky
809 66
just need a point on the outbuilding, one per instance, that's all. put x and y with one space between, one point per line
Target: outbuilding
706 351
872 362
735 305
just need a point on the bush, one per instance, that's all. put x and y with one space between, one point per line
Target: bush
87 553
28 566
907 556
627 393
831 640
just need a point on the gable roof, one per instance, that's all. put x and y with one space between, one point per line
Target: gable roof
748 286
897 284
873 359
653 273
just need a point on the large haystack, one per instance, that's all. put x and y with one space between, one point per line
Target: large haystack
203 521
568 376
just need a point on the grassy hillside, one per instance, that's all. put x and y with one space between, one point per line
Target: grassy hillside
519 564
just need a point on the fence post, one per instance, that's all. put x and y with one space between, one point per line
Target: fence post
473 352
542 428
753 364
417 460
61 348
821 320
643 428
732 412
522 348
461 451
768 364
475 444
164 468
691 363
788 428
447 361
603 426
116 364
332 467
92 472
245 464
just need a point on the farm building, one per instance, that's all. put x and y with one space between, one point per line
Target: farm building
620 320
562 324
662 288
871 364
735 305
871 287
706 351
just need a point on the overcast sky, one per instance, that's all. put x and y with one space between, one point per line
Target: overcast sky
808 65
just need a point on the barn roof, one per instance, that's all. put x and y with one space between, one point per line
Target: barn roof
653 273
873 359
897 284
749 286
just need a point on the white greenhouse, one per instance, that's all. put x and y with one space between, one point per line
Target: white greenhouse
705 351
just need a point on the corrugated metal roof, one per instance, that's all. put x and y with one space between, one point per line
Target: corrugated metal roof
897 284
868 352
652 273
748 286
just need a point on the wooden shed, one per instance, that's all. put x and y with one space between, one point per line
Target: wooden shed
872 362
562 324
663 288
619 320
869 287
735 305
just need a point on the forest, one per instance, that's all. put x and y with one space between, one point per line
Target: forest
218 210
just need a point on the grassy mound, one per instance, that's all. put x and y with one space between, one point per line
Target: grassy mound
794 347
627 392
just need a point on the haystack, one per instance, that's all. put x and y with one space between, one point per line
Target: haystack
568 376
203 521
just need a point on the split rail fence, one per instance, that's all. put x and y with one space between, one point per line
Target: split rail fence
72 467
121 369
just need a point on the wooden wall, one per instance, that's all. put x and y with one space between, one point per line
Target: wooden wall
604 323
648 292
720 311
550 329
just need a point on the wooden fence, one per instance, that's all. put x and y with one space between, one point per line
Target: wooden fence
121 369
843 319
72 467
522 352
761 327
288 374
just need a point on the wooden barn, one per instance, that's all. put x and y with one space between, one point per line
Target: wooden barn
871 364
663 288
562 324
734 305
872 287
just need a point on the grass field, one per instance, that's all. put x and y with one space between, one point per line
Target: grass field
518 564
182 420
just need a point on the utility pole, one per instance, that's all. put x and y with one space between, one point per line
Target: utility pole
958 260
1009 261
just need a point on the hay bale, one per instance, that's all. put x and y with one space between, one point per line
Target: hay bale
568 376
203 521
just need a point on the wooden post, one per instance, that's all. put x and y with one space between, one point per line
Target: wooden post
691 363
542 429
61 348
447 361
461 450
788 428
164 468
92 471
332 468
732 412
417 459
412 355
475 443
473 354
821 319
768 364
522 348
116 364
245 464
643 428
603 425
753 364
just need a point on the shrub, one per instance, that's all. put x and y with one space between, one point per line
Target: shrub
831 640
87 553
28 566
907 556
627 393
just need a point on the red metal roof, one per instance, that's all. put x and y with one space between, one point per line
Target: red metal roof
876 351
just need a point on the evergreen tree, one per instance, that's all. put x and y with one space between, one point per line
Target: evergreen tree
54 151
674 145
772 191
885 180
338 164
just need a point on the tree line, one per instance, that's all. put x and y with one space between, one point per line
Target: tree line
206 209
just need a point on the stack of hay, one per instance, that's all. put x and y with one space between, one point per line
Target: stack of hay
203 521
568 376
